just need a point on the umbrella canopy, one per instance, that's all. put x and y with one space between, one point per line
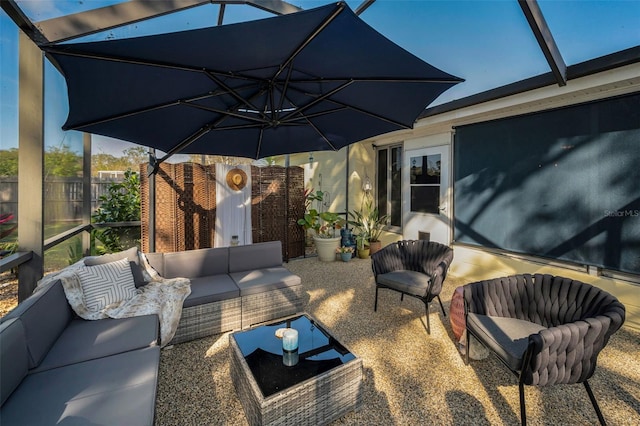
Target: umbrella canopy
315 80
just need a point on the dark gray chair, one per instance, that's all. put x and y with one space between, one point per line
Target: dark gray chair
546 329
416 268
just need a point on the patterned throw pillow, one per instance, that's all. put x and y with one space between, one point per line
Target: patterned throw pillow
103 285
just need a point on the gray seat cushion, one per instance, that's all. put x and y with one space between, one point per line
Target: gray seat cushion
13 357
506 337
211 289
410 282
116 390
261 280
85 340
44 315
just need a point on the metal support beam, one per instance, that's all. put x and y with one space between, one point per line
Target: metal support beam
86 191
15 13
363 6
543 35
80 24
93 21
30 164
277 7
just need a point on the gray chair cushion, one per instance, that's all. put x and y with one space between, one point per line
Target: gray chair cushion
508 338
211 289
44 315
196 263
13 357
255 256
85 340
411 282
116 390
130 254
261 280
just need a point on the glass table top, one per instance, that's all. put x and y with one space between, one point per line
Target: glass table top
318 352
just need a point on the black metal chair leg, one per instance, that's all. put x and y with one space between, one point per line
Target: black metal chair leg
426 305
594 403
441 306
375 306
523 410
466 355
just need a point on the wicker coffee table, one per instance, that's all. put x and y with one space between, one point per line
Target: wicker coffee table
324 384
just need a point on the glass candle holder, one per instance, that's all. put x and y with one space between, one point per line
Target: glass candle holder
290 358
290 340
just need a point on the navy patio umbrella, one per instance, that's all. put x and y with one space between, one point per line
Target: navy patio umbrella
314 80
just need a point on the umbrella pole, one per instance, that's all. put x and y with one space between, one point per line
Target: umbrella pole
152 203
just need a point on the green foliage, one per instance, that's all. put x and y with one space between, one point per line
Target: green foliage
135 156
310 197
9 162
61 161
132 159
368 222
74 250
58 161
121 203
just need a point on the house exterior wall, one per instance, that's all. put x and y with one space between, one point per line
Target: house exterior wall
478 263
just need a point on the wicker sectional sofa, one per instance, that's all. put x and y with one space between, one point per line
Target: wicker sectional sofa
56 368
231 287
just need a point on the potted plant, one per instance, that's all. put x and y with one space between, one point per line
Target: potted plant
345 253
324 225
362 243
370 223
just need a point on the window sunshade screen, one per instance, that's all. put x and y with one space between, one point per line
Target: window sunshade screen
562 184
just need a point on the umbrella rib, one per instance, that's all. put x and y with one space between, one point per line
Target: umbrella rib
185 142
229 113
142 111
313 126
317 100
339 8
233 93
259 147
377 80
373 114
285 86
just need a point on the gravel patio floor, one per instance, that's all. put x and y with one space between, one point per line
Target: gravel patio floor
410 377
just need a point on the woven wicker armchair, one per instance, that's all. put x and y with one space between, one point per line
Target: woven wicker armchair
547 330
416 268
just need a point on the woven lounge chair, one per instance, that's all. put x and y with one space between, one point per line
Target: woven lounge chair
547 330
416 268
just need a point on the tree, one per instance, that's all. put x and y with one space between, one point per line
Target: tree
61 161
121 203
135 156
9 162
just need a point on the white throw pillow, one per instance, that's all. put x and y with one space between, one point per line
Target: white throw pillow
103 285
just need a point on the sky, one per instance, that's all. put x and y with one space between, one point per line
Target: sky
486 42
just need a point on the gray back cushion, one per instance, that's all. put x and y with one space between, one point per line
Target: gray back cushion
156 261
196 263
44 315
130 254
13 357
255 256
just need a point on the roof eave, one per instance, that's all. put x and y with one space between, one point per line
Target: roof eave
583 69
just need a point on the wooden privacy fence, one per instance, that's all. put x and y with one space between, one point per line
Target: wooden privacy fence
63 196
186 207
